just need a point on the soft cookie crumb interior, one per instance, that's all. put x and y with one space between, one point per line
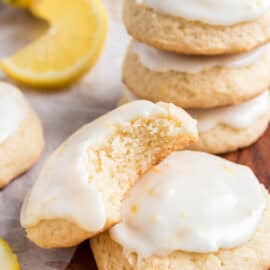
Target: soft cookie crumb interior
131 151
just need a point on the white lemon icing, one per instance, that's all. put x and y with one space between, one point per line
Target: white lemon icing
239 116
13 110
221 12
64 188
193 202
161 61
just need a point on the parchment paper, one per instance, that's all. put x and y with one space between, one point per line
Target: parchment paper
61 113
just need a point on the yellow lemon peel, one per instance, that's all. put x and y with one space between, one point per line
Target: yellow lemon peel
8 260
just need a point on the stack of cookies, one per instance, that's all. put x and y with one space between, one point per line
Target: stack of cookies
210 58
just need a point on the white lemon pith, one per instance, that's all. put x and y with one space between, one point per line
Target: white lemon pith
70 47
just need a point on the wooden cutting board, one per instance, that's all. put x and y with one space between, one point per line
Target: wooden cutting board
257 157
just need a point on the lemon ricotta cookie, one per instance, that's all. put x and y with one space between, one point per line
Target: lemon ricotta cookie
80 188
192 211
199 27
21 135
196 81
226 129
229 128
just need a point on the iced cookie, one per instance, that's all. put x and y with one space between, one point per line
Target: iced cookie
21 136
79 190
192 211
226 129
199 27
196 81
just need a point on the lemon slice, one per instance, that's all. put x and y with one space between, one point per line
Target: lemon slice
8 260
70 47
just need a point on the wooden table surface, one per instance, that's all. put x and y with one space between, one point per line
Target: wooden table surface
257 157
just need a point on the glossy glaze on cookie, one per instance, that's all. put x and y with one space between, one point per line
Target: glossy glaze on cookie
192 201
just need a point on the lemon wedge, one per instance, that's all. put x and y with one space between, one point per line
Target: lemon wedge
69 48
8 260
